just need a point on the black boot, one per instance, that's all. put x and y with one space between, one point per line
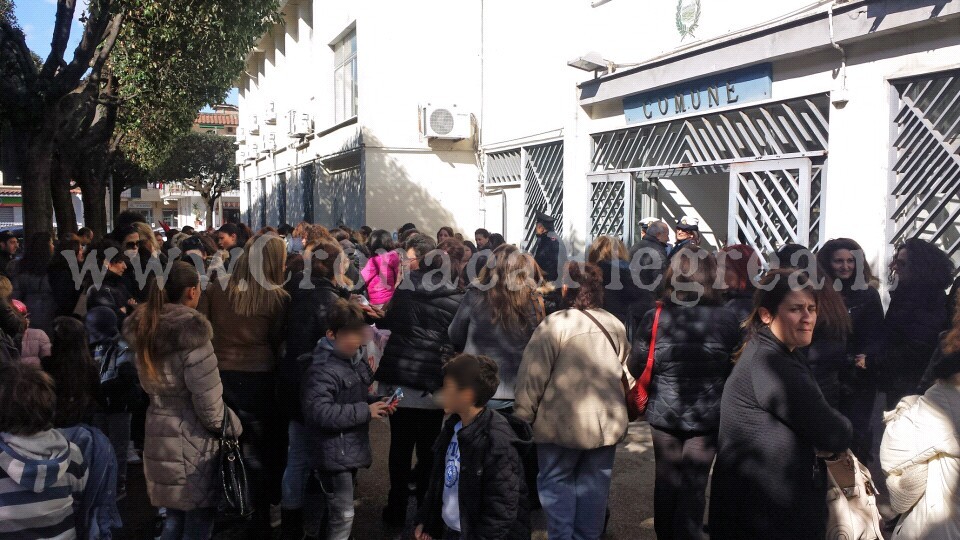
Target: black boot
291 524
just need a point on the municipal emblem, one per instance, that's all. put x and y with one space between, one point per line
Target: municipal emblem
688 17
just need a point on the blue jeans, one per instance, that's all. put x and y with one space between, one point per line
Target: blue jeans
194 524
574 486
337 488
298 468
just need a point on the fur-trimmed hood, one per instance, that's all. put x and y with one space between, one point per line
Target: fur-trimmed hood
180 328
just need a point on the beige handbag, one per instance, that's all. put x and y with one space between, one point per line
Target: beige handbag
851 500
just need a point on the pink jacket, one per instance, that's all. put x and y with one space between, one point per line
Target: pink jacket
380 274
36 345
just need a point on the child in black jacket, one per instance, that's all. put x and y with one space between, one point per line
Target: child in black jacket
477 488
337 411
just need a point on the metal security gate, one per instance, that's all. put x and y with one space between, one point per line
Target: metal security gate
926 196
609 213
770 203
543 187
538 171
766 208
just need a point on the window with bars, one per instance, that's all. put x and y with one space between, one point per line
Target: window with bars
926 195
345 77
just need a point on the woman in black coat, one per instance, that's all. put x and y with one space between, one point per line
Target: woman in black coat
622 297
421 310
740 266
844 265
917 313
768 481
695 340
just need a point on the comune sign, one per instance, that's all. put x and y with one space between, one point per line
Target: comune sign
731 88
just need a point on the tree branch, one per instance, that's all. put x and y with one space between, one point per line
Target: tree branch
94 33
61 35
107 46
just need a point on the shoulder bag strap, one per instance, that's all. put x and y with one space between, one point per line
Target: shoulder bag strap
602 329
648 371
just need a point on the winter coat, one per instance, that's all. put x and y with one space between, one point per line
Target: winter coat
336 410
827 358
42 478
473 331
186 412
380 274
5 259
113 293
492 491
691 362
569 386
652 260
920 454
65 289
306 325
550 254
767 481
622 297
96 514
36 345
35 291
243 343
418 319
911 328
741 303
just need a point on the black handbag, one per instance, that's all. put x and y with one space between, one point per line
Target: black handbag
235 498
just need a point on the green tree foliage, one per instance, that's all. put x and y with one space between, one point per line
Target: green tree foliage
142 70
203 162
170 62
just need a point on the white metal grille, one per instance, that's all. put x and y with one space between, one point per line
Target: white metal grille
708 143
503 167
607 208
770 204
926 197
544 187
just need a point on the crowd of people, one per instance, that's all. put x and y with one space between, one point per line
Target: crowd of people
503 375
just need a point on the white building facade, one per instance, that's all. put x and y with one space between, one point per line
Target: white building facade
773 122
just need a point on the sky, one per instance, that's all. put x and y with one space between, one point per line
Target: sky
36 17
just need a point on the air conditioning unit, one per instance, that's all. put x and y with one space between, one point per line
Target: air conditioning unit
300 124
254 150
241 136
270 116
254 126
446 123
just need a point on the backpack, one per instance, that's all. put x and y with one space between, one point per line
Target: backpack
110 356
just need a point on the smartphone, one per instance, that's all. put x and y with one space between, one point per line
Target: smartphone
395 397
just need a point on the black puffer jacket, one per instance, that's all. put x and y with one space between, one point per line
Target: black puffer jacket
741 303
306 324
767 480
34 290
112 293
493 493
652 260
418 318
691 362
336 410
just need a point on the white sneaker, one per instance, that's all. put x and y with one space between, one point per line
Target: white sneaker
132 456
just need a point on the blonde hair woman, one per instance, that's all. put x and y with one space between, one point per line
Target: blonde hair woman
248 316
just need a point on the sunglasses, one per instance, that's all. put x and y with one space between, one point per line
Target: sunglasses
130 245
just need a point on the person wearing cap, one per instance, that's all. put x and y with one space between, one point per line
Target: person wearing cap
8 250
549 251
687 232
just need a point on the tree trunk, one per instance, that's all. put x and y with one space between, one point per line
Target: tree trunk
37 198
95 206
210 201
62 198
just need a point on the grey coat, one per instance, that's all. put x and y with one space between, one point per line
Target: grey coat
186 410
